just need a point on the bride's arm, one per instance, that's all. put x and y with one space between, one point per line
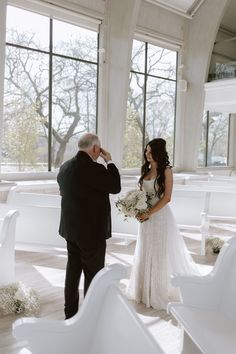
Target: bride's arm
164 199
167 194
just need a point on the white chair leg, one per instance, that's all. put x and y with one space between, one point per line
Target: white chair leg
204 233
203 245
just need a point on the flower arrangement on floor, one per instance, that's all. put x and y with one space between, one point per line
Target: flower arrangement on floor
16 298
214 244
134 202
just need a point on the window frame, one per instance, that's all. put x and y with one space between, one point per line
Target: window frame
229 140
55 13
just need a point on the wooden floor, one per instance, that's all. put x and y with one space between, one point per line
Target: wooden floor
45 273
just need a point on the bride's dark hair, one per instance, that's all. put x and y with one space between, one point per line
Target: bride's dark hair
160 155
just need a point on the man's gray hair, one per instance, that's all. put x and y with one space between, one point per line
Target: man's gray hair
87 141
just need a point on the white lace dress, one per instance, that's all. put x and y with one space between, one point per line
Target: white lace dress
160 251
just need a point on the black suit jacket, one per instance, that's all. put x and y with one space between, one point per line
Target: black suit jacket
85 206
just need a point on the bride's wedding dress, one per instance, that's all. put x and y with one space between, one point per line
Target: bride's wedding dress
160 251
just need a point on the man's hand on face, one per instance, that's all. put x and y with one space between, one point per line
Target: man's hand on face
105 155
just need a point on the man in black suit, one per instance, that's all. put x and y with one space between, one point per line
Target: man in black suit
85 214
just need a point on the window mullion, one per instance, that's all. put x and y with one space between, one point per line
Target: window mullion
145 96
50 97
174 135
228 147
207 133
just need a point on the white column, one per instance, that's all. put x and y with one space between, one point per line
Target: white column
200 36
117 35
3 11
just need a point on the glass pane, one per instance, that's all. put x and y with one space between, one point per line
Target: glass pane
218 139
161 62
133 147
223 65
74 106
25 125
74 41
202 147
138 56
160 111
27 28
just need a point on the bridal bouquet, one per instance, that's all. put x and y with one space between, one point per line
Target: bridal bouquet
135 202
16 298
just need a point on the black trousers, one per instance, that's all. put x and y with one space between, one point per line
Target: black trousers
88 261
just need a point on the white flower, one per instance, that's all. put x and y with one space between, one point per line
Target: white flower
134 202
17 298
21 293
214 244
141 205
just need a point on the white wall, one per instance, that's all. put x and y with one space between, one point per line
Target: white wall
162 23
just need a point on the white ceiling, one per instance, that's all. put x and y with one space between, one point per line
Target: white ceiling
188 8
185 8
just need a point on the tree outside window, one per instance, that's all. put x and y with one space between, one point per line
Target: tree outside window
50 94
151 101
214 139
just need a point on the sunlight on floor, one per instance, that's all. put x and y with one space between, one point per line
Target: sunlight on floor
56 277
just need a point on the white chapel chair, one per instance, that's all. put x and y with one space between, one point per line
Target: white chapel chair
105 324
7 248
207 312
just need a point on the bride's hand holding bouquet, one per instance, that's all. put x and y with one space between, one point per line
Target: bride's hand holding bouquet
136 203
144 216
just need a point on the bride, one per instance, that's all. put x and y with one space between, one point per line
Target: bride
160 249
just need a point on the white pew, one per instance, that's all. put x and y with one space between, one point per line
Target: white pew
194 206
39 219
222 182
219 204
7 247
222 205
207 312
38 225
220 199
36 199
105 324
190 210
40 216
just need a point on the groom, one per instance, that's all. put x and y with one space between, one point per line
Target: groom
85 214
